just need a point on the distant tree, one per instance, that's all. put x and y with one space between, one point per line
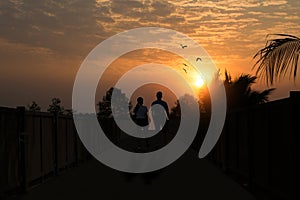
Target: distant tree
204 100
68 112
175 111
104 106
34 107
277 57
55 107
187 102
239 92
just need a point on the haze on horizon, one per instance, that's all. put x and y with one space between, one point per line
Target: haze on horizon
44 42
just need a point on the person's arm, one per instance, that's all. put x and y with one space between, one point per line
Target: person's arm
153 103
135 110
167 110
147 115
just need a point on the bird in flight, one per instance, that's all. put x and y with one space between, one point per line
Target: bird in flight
198 59
183 46
184 70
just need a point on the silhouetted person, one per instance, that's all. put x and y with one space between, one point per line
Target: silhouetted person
141 113
141 117
159 114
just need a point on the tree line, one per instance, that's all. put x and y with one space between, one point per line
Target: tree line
239 94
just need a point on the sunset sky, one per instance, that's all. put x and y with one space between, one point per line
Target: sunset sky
43 43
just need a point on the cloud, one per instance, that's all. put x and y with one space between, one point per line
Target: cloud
14 48
51 24
70 27
274 2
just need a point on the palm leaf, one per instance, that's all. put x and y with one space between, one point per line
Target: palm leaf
277 57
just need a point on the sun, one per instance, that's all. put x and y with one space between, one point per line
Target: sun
199 81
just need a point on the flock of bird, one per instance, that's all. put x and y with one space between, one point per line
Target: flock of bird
197 59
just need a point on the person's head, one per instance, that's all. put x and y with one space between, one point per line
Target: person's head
159 95
140 100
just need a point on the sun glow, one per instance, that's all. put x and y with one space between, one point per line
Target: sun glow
199 81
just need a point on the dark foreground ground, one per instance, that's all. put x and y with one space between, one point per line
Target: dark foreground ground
187 178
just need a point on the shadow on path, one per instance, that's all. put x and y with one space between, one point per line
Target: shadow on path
187 178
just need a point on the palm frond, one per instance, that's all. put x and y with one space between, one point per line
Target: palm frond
264 95
277 57
245 81
227 76
256 97
283 35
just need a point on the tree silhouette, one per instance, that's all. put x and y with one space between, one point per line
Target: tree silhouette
55 107
187 101
278 57
175 110
104 106
204 100
239 92
68 112
34 107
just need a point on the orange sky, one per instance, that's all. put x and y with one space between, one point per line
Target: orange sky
140 57
43 43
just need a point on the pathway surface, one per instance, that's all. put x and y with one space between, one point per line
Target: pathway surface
187 178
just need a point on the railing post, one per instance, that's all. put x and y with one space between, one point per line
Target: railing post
295 107
55 124
23 149
250 150
75 142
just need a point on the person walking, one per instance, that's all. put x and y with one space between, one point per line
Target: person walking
140 113
160 114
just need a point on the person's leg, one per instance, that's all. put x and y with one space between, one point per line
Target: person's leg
139 145
157 129
157 125
145 131
165 132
